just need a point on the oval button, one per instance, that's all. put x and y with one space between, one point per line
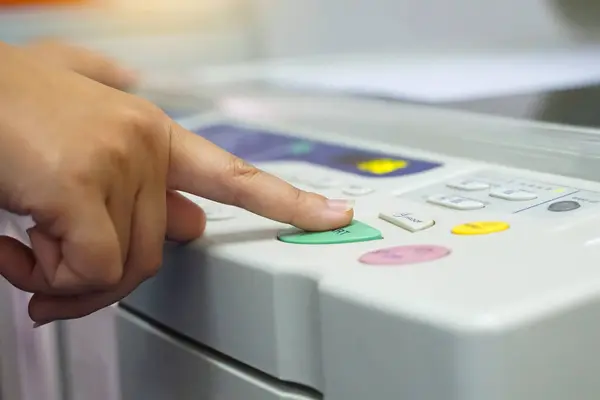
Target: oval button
403 255
480 228
564 206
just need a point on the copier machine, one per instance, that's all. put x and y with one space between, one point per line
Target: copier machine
471 270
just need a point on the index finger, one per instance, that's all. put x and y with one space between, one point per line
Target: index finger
204 169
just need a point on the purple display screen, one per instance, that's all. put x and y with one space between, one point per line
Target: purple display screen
256 146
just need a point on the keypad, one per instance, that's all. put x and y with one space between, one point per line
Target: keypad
495 192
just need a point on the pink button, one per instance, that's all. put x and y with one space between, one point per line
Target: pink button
403 255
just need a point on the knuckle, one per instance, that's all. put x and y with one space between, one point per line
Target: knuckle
88 172
239 169
239 173
143 123
140 117
152 267
117 156
96 278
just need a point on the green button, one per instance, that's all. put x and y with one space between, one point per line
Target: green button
355 232
299 148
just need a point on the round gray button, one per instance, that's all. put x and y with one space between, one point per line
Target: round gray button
562 206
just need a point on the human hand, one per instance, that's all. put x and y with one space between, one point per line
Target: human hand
98 170
85 62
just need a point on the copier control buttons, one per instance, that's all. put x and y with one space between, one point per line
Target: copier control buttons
456 202
355 232
513 194
563 206
406 220
480 228
403 255
469 185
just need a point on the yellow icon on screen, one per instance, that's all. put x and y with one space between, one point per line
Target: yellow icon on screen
382 166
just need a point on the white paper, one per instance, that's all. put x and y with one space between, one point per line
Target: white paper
426 77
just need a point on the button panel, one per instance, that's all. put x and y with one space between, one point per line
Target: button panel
455 202
329 184
490 192
406 220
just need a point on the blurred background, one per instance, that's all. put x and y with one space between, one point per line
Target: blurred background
434 51
537 59
464 45
184 33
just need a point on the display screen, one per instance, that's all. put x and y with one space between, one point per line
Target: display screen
260 146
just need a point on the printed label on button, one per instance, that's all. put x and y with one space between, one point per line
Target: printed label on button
456 202
403 255
513 194
480 228
355 232
469 185
408 221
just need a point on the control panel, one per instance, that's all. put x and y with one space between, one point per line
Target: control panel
463 274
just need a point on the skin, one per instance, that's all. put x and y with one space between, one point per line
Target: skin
98 169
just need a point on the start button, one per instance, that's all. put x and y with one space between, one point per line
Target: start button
480 228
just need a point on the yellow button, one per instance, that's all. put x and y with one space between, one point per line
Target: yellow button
480 228
382 166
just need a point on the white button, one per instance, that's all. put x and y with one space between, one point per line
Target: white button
324 183
408 221
513 194
456 202
355 190
469 185
217 213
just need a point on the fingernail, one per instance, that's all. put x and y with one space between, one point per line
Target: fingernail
340 205
40 324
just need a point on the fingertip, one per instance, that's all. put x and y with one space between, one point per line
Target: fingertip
337 213
318 213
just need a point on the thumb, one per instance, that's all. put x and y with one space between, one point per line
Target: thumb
17 264
202 168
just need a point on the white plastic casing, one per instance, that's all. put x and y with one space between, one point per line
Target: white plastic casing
506 315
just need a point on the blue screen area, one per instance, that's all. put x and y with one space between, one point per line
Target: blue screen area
254 146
